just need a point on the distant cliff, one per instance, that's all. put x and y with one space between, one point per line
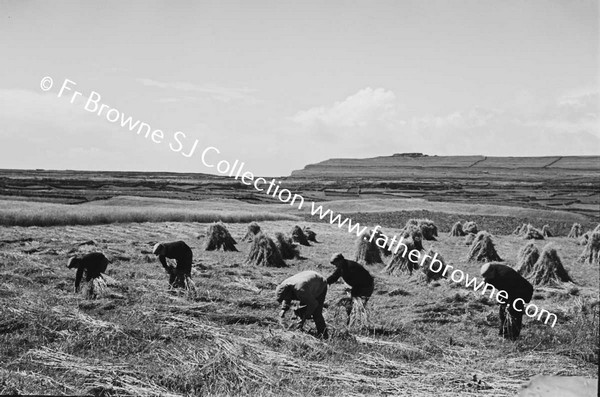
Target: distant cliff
402 164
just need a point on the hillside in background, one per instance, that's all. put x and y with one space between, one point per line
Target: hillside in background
568 183
403 164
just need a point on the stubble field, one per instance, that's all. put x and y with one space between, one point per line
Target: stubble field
422 340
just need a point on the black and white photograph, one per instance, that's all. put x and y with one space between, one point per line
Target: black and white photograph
300 198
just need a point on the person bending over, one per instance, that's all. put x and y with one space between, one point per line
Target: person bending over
309 288
182 254
519 291
91 265
356 276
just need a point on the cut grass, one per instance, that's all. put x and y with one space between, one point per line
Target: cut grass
430 340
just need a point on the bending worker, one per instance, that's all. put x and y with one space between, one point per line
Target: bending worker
309 288
182 254
91 265
356 276
519 292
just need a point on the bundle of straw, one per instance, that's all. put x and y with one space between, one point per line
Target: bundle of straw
190 287
96 288
359 316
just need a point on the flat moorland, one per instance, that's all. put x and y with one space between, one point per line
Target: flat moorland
547 183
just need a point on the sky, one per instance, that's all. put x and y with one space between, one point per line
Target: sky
282 84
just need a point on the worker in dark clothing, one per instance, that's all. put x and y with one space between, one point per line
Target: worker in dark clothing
519 291
182 254
309 288
91 265
356 276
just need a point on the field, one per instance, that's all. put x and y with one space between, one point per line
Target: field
554 183
423 339
568 184
128 209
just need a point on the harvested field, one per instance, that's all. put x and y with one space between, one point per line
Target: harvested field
496 224
233 320
298 199
225 340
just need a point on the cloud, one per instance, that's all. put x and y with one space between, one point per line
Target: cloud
361 109
372 122
223 94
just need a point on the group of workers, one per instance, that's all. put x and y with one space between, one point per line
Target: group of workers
94 264
309 288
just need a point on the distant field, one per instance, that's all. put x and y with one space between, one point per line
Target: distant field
563 183
387 212
396 204
497 219
196 205
495 224
85 186
566 184
127 210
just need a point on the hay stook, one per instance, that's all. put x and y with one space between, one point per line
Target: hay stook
483 249
253 230
457 230
400 262
526 258
310 234
286 246
470 227
415 235
367 250
299 237
428 273
532 233
264 252
218 237
549 270
429 230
